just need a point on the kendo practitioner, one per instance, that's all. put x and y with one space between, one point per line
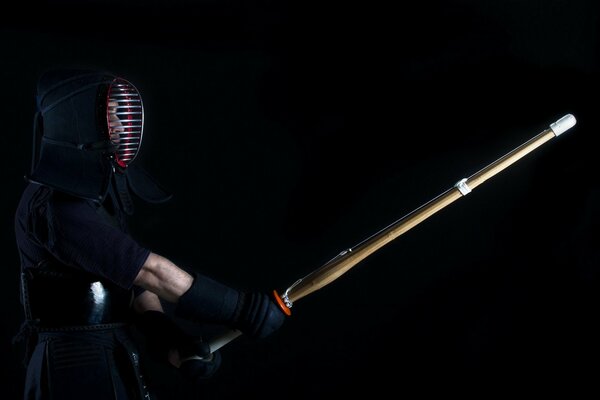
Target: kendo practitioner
85 281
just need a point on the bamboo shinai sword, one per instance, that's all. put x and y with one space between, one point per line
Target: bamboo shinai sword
348 258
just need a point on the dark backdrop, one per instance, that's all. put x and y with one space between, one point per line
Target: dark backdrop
289 131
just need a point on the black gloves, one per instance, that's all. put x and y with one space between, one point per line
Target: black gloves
197 362
253 313
163 335
257 315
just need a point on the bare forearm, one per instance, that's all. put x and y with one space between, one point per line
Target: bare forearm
147 301
201 298
163 278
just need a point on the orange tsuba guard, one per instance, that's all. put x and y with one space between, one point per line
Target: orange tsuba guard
286 310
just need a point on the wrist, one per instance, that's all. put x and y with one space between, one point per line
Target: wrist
208 301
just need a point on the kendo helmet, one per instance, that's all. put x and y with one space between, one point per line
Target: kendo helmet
88 129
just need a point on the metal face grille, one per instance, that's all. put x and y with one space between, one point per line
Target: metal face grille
125 117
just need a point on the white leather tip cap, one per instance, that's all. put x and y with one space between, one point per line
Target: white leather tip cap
563 124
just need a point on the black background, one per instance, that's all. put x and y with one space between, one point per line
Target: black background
289 131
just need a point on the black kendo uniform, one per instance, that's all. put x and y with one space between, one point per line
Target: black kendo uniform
78 261
80 316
